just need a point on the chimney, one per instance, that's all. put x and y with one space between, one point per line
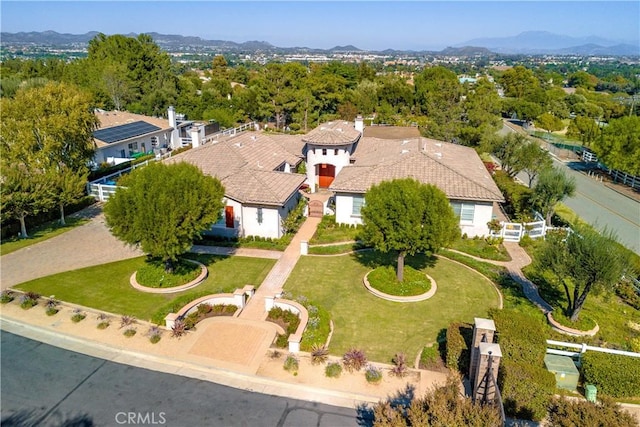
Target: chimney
359 124
171 113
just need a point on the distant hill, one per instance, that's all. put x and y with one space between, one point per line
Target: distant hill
530 42
466 51
540 42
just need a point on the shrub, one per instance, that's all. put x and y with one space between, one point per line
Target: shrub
400 368
78 315
627 292
103 325
291 364
6 296
127 321
275 354
354 360
517 195
288 320
373 375
129 332
191 320
154 333
29 299
52 306
613 375
570 413
178 329
457 347
103 321
319 354
333 370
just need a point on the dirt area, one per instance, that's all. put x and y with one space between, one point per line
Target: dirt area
391 132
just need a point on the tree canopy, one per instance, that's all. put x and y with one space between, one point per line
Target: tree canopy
163 208
619 146
552 187
406 216
583 261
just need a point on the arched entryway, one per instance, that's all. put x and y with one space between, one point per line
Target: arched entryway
326 173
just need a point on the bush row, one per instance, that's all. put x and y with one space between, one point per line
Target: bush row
517 195
458 353
613 375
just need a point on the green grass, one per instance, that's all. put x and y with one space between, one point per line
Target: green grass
383 328
106 287
385 280
480 248
153 274
335 249
39 234
330 232
251 242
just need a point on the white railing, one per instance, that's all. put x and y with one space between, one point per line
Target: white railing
630 180
583 349
514 231
229 132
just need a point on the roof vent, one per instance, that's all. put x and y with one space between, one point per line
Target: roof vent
253 137
339 129
406 141
438 144
404 151
238 144
323 128
439 155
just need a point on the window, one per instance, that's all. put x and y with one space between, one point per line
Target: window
358 203
336 151
133 147
154 141
259 215
324 151
464 211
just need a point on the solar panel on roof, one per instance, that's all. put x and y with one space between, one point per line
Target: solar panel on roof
122 132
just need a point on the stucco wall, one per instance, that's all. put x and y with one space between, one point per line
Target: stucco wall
315 157
344 209
115 149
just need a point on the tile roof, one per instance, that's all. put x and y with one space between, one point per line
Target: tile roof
245 165
333 133
455 169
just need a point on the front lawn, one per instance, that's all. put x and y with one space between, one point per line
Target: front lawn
40 233
106 287
330 232
481 248
383 328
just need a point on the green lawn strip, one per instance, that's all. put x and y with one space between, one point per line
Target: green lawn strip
383 328
251 242
610 313
480 248
335 249
153 274
39 234
106 287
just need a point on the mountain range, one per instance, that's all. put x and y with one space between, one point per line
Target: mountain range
530 42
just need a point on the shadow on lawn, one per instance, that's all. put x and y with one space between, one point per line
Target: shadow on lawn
373 259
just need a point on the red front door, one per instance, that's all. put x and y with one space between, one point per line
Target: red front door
228 216
326 174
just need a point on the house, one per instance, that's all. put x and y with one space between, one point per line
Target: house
123 136
261 188
257 172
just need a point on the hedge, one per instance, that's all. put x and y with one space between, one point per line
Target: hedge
614 375
571 413
458 353
525 383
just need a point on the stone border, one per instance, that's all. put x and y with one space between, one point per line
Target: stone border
570 331
203 275
415 298
296 308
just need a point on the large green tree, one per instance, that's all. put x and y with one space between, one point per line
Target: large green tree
553 186
438 96
163 208
619 146
407 216
583 261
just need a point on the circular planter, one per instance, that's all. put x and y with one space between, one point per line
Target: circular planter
570 331
414 298
203 275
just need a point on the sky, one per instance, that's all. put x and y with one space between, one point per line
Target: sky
371 25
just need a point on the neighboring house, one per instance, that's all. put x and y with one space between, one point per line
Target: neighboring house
256 171
123 136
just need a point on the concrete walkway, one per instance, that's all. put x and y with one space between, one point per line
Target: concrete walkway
278 275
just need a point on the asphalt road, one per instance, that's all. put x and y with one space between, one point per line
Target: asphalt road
43 385
602 207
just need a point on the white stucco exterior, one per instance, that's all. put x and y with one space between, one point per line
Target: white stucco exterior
129 147
482 214
248 222
337 156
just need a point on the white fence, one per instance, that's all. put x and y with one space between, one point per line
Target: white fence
229 132
514 231
583 349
